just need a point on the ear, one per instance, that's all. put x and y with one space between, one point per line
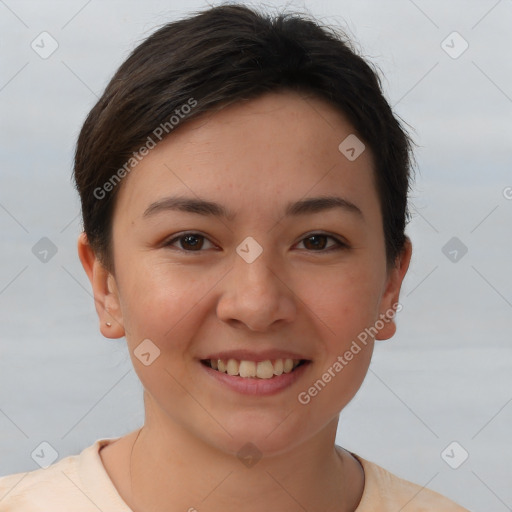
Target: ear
106 296
391 294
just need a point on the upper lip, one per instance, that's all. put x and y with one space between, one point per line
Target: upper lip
249 355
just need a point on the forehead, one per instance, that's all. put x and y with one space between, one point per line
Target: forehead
278 147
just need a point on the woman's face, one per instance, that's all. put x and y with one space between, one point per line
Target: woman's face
269 281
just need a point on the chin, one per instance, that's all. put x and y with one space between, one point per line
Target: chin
268 435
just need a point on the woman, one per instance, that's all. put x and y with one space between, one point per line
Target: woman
244 197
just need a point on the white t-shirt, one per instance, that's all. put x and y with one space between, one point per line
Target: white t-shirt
80 483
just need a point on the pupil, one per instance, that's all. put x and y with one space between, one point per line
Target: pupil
188 239
316 237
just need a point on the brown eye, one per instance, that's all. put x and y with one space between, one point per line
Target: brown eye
318 241
189 242
194 242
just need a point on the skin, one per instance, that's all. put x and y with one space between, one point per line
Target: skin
253 158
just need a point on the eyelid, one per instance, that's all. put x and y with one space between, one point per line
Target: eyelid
176 237
337 238
340 242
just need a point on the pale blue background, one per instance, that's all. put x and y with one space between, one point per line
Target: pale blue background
445 376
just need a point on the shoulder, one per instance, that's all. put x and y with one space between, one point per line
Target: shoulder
384 491
76 482
33 490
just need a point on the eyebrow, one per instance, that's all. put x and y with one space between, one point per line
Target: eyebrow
211 208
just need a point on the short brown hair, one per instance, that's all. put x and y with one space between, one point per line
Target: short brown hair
223 55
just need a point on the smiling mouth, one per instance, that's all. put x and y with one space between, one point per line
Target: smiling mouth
251 369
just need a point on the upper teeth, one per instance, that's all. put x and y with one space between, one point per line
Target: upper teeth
263 369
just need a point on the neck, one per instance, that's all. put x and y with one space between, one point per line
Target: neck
170 466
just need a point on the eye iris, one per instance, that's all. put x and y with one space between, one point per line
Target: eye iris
195 242
187 241
315 245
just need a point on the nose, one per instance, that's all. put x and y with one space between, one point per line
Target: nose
257 296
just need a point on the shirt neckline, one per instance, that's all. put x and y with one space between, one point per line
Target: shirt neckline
105 495
100 487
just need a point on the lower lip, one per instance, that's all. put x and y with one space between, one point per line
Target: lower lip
256 386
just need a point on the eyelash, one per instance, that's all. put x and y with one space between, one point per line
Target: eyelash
339 244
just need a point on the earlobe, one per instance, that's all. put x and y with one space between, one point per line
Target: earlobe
390 299
106 297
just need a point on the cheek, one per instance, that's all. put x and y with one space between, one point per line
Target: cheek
343 309
345 300
160 302
160 305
